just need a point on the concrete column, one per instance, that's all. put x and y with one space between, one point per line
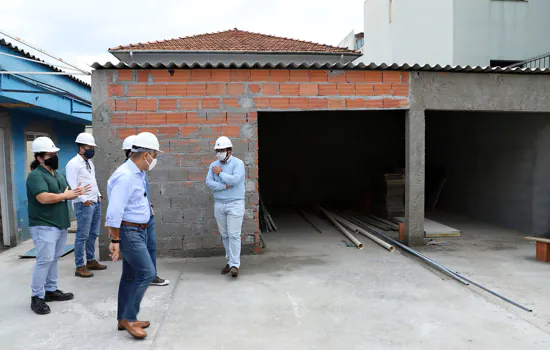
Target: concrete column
102 160
415 126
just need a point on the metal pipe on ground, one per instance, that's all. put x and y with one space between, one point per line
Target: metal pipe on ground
365 233
455 275
430 262
342 229
307 218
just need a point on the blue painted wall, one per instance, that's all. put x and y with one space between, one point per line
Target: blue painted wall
31 106
64 134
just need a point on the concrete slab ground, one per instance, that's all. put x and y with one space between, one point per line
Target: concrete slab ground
307 292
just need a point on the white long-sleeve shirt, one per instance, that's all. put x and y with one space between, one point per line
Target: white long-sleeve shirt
77 172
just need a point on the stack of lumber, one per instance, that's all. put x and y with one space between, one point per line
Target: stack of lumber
266 221
395 195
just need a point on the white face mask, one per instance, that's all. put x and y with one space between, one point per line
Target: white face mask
152 164
221 156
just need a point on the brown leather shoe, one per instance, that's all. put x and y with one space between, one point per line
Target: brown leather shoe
226 270
133 329
83 271
234 271
95 265
140 324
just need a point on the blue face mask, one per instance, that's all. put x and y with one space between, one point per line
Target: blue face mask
89 153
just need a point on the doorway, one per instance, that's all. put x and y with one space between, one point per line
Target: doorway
5 237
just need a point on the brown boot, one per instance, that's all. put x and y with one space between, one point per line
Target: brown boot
82 271
95 265
234 271
132 328
140 324
226 270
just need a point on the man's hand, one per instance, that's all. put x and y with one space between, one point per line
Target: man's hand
114 248
227 186
100 199
75 193
87 203
216 170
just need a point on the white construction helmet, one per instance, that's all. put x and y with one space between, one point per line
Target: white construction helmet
85 138
223 143
128 142
148 141
43 144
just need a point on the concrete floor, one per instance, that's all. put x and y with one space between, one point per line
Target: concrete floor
307 292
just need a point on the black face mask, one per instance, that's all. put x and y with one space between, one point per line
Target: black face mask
89 153
52 162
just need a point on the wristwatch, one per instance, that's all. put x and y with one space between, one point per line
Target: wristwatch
115 240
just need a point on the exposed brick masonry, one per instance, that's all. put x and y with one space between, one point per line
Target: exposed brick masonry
189 109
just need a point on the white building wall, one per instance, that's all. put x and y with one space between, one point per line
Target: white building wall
412 36
348 41
500 30
455 32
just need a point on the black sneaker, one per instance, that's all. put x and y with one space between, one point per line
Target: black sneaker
160 282
39 306
58 295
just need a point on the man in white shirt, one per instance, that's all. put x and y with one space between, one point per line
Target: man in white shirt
80 171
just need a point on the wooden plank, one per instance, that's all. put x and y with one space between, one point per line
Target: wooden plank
538 239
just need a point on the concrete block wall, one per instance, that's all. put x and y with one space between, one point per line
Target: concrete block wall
189 108
497 166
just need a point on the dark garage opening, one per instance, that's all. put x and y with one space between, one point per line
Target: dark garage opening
337 159
496 167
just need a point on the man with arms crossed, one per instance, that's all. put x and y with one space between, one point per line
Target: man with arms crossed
226 178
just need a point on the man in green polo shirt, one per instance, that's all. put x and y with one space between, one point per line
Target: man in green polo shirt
47 194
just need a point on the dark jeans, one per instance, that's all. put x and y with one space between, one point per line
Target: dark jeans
138 271
152 241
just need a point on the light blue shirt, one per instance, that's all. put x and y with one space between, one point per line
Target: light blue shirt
128 197
233 174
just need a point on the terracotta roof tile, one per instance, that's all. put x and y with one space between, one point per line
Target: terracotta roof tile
234 40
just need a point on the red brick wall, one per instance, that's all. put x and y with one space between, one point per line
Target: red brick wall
189 109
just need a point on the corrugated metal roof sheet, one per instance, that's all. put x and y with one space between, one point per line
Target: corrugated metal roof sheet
32 57
349 66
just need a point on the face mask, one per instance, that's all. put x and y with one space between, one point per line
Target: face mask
89 153
52 162
152 164
221 156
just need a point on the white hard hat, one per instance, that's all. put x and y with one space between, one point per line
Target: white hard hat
128 142
85 138
223 143
148 141
43 144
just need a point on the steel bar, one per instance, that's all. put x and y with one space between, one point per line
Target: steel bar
41 73
18 39
342 229
412 251
496 294
306 217
38 61
455 275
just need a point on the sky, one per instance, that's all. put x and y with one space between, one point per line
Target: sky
82 35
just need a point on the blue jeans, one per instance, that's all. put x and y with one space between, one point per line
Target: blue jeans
88 220
138 272
50 244
152 241
229 217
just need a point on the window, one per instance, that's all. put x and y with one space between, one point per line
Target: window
29 138
359 43
502 63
